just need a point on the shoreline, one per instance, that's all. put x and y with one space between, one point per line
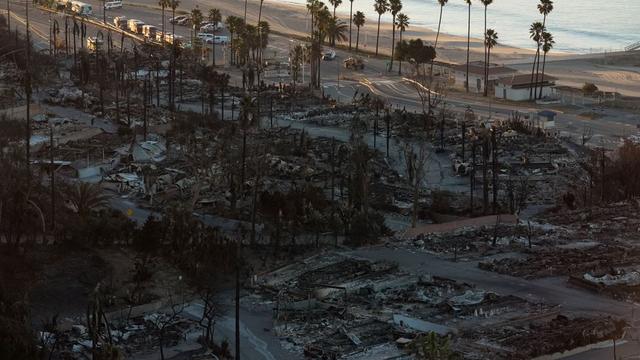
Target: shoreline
290 18
572 69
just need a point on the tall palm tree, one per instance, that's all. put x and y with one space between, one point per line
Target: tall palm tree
215 17
245 11
335 4
163 5
442 4
174 5
248 117
260 37
535 33
466 81
350 20
234 24
402 22
336 29
381 7
316 9
435 45
486 4
395 6
196 21
545 8
490 41
358 21
547 45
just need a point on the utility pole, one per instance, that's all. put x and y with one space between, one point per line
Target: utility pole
472 175
144 106
27 85
222 103
464 132
375 130
444 107
237 304
603 172
8 17
53 187
388 120
333 187
494 145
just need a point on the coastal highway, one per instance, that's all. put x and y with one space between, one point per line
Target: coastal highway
258 343
608 128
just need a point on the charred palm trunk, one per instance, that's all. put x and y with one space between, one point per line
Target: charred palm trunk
378 34
485 182
494 171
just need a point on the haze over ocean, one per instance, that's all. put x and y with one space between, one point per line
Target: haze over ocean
579 26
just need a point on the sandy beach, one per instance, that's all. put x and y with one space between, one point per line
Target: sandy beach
570 69
293 19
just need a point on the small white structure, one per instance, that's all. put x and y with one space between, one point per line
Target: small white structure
476 75
518 87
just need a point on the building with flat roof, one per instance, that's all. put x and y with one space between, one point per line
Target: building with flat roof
518 87
476 75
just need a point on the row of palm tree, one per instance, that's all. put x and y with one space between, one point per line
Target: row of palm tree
246 41
358 20
544 40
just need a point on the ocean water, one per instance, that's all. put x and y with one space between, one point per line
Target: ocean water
578 26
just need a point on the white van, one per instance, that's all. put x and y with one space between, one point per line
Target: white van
218 39
81 8
113 4
205 36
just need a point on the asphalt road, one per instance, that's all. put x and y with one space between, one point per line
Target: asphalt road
343 84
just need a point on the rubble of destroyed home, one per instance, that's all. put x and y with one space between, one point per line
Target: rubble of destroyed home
335 306
155 185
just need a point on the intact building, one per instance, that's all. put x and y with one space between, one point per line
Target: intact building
518 87
476 75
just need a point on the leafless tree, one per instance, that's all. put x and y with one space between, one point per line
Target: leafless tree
416 157
162 321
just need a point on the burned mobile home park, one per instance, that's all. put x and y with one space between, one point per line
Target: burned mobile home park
247 179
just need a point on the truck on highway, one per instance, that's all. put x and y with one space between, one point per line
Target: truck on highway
170 38
113 4
80 8
120 22
353 63
135 26
149 31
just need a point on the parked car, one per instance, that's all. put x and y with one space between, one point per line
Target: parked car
210 27
354 63
329 55
180 19
218 39
113 4
205 37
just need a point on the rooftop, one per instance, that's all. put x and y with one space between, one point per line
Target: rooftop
477 67
524 80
